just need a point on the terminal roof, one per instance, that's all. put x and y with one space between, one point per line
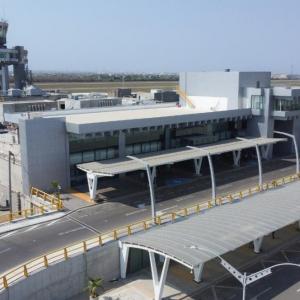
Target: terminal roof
124 165
222 228
146 117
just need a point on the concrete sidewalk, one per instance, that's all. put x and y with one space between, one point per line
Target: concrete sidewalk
15 225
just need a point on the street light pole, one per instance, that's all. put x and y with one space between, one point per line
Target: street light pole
10 155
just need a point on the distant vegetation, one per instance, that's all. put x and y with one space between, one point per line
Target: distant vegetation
100 77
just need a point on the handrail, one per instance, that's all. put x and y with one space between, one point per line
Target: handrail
25 270
55 202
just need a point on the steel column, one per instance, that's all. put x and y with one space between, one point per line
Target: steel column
158 284
212 176
295 145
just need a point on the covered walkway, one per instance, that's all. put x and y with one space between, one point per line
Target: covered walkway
200 238
151 161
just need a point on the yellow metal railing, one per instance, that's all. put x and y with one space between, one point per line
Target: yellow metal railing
45 261
184 96
52 199
55 202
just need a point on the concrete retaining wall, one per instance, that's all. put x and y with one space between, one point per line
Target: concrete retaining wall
67 279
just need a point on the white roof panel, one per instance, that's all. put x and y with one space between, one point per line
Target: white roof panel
223 228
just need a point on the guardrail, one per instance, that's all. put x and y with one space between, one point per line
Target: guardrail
45 261
54 201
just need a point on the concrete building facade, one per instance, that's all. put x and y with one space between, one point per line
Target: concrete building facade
225 105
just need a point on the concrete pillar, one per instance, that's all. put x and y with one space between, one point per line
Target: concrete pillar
92 183
122 144
257 244
198 273
124 254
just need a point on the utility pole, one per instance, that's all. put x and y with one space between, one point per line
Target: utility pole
10 155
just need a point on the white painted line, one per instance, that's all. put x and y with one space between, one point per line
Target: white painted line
31 228
6 235
5 250
298 291
70 231
135 212
53 222
225 186
160 212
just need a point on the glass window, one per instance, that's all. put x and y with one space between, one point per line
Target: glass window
137 148
145 147
257 102
75 158
110 153
88 156
129 149
153 146
100 154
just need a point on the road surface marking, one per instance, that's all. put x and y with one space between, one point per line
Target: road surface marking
5 250
53 222
298 291
261 293
135 212
225 186
70 231
168 208
7 235
31 228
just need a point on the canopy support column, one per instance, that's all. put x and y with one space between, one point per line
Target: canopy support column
211 168
212 176
92 180
124 253
295 146
158 284
198 165
266 151
151 174
260 177
236 158
198 271
257 244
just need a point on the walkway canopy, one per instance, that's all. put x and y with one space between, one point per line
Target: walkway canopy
123 165
150 161
217 231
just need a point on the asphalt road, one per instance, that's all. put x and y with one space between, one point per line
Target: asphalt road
22 245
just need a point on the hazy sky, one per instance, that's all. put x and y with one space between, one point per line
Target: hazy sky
156 35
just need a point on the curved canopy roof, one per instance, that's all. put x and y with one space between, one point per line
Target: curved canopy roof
124 165
223 228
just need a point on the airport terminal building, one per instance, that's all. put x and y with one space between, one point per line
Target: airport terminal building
213 107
